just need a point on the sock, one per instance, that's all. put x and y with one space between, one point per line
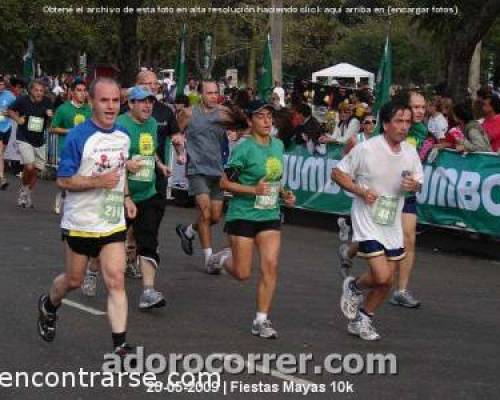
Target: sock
50 307
207 253
354 287
189 231
260 317
366 313
118 338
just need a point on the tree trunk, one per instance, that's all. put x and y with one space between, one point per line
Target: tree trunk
276 37
463 46
128 44
475 71
252 57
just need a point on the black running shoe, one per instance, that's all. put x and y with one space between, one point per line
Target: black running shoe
46 321
122 352
186 243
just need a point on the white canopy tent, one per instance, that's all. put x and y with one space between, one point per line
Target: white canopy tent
344 70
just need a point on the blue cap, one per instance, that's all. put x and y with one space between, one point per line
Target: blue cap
139 93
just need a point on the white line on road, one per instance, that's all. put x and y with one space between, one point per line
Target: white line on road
82 307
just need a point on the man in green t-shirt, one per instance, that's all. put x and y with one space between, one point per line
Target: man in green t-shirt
253 176
142 130
68 115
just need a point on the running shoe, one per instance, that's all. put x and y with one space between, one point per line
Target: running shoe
344 230
3 183
350 300
362 327
186 242
264 330
214 265
123 351
46 321
133 270
404 298
151 298
21 200
89 286
29 200
58 204
345 260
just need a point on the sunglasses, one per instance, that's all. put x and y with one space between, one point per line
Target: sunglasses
370 121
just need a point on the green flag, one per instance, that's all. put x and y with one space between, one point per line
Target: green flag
180 63
29 63
384 81
265 81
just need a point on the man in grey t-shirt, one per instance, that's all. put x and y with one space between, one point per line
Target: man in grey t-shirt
203 125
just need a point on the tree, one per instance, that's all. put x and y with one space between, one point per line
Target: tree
459 34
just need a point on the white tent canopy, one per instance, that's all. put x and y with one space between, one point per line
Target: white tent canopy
344 70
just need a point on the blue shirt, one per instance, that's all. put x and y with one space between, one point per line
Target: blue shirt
6 99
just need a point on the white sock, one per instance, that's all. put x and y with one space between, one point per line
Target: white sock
260 317
189 231
207 253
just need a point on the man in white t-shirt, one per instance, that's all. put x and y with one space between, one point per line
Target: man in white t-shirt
379 172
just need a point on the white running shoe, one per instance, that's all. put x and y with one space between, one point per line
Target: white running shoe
214 265
89 285
362 327
264 330
344 230
350 301
58 203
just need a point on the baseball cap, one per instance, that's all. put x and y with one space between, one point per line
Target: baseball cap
139 93
256 106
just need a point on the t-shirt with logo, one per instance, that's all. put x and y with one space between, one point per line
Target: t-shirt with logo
255 161
91 151
374 165
68 116
6 100
36 119
143 144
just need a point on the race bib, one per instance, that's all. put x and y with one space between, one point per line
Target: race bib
35 124
385 209
270 201
112 207
146 173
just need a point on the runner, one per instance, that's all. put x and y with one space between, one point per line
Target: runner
347 252
70 114
31 113
416 136
253 217
6 100
379 172
142 130
205 138
92 171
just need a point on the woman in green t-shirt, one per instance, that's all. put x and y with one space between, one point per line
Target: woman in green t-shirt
253 218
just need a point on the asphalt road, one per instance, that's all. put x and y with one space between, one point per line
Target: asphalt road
447 349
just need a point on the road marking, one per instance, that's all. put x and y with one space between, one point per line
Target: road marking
273 372
90 310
